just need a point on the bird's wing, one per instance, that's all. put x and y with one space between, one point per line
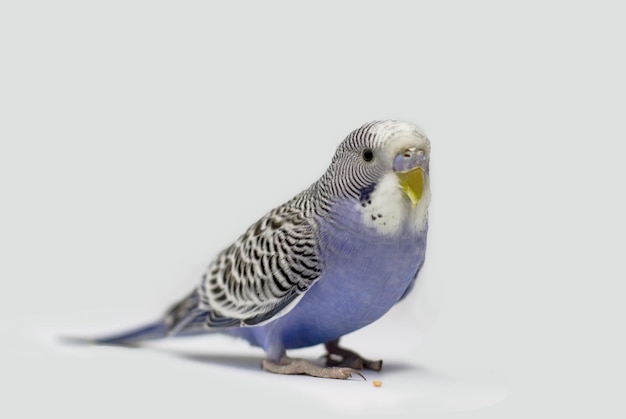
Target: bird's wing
265 270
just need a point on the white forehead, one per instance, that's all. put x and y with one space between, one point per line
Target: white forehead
383 133
387 132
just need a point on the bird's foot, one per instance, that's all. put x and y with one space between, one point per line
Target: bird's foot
292 366
341 357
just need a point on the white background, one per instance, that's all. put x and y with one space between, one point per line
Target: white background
139 138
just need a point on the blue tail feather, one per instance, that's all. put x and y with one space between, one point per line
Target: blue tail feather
183 319
150 331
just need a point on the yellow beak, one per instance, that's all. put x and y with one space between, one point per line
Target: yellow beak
412 183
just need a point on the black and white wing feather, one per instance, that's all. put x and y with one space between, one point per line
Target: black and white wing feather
273 263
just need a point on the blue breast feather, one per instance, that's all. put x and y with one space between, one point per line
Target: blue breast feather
364 275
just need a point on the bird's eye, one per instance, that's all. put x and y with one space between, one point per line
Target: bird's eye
368 154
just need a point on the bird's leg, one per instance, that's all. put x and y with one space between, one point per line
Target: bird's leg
291 366
338 356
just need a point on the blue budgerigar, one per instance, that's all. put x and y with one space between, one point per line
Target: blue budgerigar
332 260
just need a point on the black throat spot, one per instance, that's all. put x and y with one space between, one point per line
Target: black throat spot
366 193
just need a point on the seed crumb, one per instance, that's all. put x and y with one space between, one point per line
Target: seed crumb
377 383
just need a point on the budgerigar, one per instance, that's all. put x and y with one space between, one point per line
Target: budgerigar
331 260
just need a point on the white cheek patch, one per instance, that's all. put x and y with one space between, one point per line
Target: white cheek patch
388 208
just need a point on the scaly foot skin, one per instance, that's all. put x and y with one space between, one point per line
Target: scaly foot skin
341 357
291 366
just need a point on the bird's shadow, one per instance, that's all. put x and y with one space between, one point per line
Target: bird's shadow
241 362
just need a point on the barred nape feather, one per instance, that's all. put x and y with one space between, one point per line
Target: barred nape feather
346 178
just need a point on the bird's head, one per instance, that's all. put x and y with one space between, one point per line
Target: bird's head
382 168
